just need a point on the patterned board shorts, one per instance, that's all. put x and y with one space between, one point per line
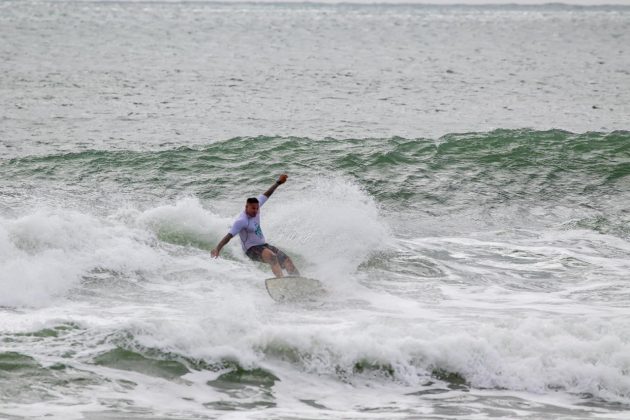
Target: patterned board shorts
255 253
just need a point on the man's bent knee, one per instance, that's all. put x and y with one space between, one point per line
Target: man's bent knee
269 256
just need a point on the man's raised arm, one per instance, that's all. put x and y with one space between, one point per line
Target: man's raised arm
281 180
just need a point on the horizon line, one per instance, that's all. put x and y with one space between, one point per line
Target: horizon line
428 3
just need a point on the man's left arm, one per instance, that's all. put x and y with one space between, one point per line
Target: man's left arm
281 180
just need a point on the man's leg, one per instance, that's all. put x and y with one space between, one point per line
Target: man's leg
285 261
288 265
270 258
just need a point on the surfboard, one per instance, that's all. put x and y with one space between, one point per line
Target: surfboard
294 288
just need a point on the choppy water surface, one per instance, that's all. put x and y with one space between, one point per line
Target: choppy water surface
77 75
473 272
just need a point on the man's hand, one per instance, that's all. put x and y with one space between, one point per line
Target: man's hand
215 252
281 180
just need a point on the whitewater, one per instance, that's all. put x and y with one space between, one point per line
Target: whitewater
459 180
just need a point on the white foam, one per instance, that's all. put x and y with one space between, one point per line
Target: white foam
332 223
46 252
192 305
186 216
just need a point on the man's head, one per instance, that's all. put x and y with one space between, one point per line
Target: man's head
251 207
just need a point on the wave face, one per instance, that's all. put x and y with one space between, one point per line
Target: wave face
454 175
469 275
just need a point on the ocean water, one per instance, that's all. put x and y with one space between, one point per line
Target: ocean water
459 179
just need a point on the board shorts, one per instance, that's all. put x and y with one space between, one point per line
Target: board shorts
255 253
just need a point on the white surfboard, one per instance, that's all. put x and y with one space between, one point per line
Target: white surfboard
294 288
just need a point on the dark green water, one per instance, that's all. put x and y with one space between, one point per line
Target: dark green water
429 175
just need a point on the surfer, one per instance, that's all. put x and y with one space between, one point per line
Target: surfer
247 225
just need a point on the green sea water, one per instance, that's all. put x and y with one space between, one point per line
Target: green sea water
531 163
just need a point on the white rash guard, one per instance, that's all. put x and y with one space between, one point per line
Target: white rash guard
248 228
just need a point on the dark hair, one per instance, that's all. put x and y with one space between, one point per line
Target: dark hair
252 200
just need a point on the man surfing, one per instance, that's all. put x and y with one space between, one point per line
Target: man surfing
247 225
